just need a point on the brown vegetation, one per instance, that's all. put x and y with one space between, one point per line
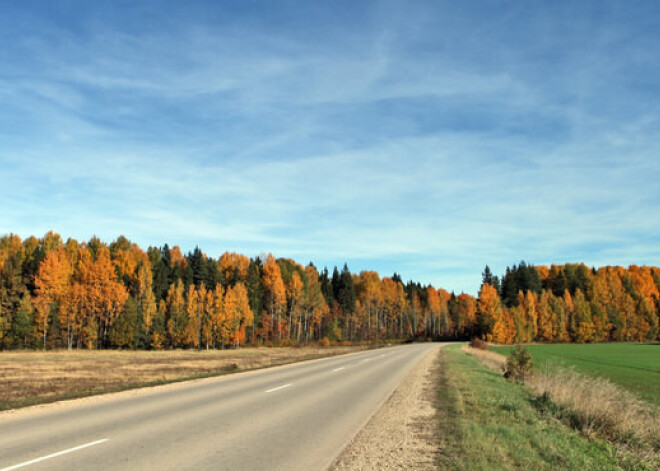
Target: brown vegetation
36 377
476 342
492 360
600 408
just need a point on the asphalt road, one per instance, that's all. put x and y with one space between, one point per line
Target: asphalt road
297 417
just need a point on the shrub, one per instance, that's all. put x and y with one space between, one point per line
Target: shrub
324 342
478 344
518 364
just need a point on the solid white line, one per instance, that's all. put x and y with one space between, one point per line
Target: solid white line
59 453
339 369
270 390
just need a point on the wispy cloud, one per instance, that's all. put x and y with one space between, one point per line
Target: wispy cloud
428 141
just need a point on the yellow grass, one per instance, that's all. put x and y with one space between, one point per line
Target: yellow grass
35 377
492 360
598 407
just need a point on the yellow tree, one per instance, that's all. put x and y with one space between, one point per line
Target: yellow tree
233 268
559 328
531 315
646 324
275 298
467 313
207 323
230 309
546 318
196 311
509 328
583 327
51 241
99 292
9 245
313 302
53 289
642 278
202 312
72 249
127 258
85 327
158 332
369 293
434 307
218 317
445 327
176 314
569 311
242 314
491 321
294 291
177 259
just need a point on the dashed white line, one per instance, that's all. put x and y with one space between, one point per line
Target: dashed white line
274 389
54 455
339 369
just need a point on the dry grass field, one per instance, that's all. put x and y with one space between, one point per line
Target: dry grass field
28 377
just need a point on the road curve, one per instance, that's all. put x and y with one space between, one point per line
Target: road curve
298 417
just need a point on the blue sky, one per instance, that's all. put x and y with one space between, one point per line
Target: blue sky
427 138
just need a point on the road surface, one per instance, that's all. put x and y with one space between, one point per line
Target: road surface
297 417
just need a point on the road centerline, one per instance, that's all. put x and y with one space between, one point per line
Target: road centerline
54 455
339 369
274 389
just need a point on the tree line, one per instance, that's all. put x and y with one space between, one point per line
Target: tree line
70 294
570 303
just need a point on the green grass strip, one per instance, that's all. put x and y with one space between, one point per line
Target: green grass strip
489 423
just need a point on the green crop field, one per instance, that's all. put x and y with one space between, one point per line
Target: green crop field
635 367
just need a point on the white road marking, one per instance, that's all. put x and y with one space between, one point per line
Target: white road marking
366 360
54 455
270 390
339 369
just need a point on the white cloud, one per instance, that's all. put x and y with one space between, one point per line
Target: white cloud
380 145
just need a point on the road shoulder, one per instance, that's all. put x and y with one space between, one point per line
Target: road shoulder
402 434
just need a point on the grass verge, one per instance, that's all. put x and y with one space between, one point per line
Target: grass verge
490 423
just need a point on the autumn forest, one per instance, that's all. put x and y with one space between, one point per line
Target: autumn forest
66 294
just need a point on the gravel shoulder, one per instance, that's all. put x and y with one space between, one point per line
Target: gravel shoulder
403 433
